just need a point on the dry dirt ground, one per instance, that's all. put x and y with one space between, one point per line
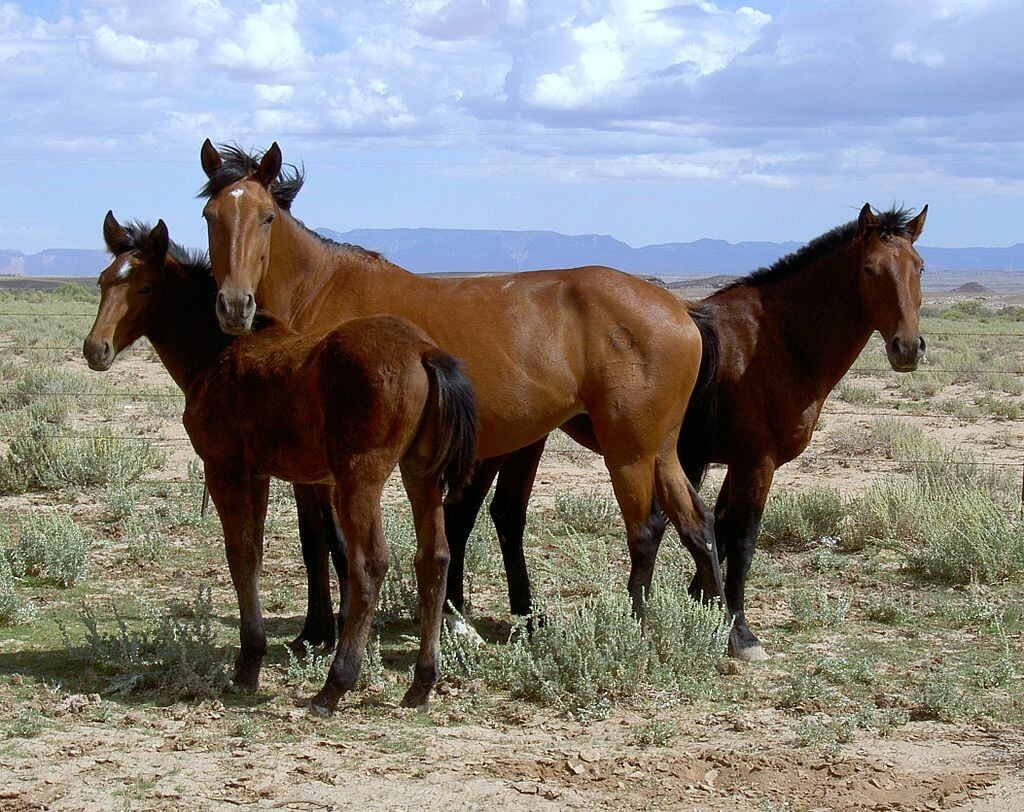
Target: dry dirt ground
265 752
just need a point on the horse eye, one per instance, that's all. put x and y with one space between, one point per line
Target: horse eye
268 219
145 289
922 270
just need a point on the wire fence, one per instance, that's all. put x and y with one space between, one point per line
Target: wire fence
917 409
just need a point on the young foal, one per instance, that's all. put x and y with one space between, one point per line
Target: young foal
345 407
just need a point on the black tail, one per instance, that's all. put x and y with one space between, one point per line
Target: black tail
697 437
457 421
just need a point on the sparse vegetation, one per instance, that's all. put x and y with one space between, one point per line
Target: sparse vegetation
879 602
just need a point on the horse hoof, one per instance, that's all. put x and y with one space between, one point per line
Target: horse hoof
320 712
461 628
417 699
751 654
300 645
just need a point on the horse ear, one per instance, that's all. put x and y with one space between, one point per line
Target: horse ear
210 158
113 234
916 226
270 166
866 219
157 242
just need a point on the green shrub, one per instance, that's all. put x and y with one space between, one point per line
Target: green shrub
179 656
800 517
14 610
581 658
39 459
52 546
399 598
814 608
588 512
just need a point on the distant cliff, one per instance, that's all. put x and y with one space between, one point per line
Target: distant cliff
436 250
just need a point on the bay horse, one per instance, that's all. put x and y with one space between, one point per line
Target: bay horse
341 408
610 358
776 343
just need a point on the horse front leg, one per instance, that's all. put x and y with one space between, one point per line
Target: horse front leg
241 502
360 518
319 535
738 514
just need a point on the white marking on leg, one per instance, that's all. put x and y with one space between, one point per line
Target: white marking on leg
459 627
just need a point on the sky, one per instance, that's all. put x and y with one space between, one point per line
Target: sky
652 121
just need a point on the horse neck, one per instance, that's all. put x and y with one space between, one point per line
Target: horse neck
816 313
184 329
310 280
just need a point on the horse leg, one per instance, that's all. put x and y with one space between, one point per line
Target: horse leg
319 535
738 523
581 429
508 512
360 519
431 572
459 517
694 523
633 484
241 502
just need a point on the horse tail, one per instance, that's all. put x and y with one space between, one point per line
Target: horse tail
697 436
457 421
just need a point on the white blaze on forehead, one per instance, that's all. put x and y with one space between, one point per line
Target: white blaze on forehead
122 270
236 193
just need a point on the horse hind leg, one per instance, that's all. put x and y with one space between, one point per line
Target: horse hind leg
695 524
633 484
360 518
431 571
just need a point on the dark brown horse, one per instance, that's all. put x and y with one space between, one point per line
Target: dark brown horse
777 342
610 358
775 345
344 408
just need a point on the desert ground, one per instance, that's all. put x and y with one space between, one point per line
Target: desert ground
885 589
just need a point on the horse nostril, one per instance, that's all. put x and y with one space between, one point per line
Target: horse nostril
250 302
896 346
222 303
920 345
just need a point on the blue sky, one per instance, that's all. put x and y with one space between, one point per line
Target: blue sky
650 120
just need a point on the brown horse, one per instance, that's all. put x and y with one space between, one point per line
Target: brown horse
775 345
777 342
610 358
342 408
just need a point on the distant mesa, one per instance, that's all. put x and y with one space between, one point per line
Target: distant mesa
708 282
973 288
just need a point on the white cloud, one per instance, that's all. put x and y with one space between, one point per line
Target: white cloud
914 54
125 50
276 94
634 45
266 43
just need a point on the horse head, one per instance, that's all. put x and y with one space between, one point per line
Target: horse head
240 212
890 282
126 288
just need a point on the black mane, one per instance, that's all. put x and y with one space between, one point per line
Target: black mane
236 164
135 234
892 223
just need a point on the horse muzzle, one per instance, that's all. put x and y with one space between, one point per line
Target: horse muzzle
904 356
235 313
99 354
